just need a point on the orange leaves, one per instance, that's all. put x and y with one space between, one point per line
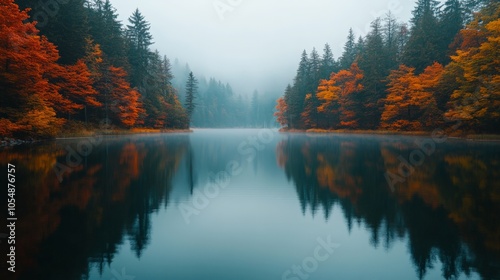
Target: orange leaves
410 104
25 60
477 98
431 76
125 100
339 96
73 88
42 122
328 93
281 111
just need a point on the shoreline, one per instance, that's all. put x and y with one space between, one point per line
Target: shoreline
119 132
12 142
470 137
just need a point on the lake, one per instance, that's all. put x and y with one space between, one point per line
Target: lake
256 204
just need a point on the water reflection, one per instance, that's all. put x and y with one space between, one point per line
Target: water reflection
66 227
446 211
448 208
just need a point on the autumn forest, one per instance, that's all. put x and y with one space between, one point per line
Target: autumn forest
160 140
82 69
441 70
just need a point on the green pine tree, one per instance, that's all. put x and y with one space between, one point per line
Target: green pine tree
191 90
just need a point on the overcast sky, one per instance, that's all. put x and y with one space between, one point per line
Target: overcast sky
255 44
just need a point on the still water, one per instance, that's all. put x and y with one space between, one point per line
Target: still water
256 205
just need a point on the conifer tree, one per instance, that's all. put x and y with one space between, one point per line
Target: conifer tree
328 64
349 54
139 40
191 90
423 47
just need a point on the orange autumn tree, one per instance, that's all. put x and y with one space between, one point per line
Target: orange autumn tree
124 102
476 102
26 93
120 103
339 97
328 94
350 88
410 103
75 84
281 111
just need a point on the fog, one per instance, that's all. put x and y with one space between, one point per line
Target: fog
255 44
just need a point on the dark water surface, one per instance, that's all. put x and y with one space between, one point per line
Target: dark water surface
256 205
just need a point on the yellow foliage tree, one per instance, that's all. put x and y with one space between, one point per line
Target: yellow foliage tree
477 100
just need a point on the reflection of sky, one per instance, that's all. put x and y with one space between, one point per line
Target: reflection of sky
255 229
205 142
259 237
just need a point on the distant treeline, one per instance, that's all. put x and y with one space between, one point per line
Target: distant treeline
217 105
440 70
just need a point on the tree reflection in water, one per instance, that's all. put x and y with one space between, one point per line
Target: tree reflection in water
447 209
67 227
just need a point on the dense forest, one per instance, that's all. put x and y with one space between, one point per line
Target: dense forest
440 70
73 66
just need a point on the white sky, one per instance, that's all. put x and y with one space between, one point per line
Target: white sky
257 43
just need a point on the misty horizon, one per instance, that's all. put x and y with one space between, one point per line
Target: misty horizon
255 45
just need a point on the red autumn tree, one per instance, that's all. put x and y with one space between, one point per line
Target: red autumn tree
26 93
75 84
123 100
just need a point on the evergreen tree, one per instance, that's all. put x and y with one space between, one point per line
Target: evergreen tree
139 40
328 64
360 46
64 23
349 54
298 92
285 107
451 22
374 63
106 30
473 6
310 109
191 89
423 47
255 108
401 41
391 30
154 89
314 71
